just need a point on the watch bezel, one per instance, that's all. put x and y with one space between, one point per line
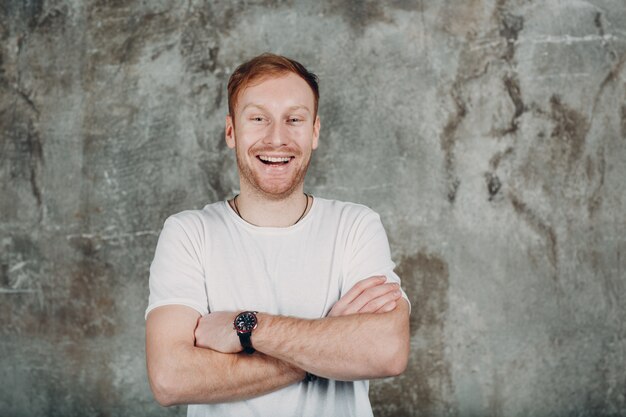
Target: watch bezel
249 315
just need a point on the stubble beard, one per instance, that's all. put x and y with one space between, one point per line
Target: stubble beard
268 190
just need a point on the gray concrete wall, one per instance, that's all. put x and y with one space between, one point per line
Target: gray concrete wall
490 136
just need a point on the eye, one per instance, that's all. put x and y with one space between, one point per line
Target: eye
257 118
294 120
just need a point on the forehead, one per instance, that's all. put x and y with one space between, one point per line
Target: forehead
277 92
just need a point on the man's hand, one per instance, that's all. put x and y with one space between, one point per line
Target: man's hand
371 295
215 331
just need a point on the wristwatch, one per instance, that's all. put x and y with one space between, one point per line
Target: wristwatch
244 324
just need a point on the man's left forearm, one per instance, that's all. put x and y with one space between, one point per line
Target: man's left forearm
352 347
366 334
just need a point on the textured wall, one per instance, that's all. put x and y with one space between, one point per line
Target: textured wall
490 135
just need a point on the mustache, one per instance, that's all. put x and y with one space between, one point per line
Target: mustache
270 149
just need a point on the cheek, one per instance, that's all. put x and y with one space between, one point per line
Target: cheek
305 138
253 133
247 136
297 133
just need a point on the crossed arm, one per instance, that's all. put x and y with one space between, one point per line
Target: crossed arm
366 335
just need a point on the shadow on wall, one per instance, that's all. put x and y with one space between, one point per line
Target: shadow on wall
427 382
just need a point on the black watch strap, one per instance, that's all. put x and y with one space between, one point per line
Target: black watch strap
246 343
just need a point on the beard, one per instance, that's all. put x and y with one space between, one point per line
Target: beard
273 188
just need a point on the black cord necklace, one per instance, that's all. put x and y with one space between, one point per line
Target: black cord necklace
299 218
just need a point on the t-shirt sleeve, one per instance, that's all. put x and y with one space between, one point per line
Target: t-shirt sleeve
369 253
177 272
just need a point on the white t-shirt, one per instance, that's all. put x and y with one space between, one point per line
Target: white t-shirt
212 260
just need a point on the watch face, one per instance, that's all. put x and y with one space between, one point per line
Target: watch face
245 322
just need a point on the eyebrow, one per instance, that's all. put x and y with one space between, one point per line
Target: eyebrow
261 107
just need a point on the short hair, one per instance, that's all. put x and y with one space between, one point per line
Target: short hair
267 65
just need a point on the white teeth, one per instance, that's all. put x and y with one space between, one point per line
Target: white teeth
273 159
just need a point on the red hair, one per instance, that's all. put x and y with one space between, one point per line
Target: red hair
267 65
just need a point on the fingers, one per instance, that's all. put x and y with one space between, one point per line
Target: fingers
343 305
362 286
390 306
383 303
371 295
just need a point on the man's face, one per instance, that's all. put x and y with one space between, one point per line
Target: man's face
274 134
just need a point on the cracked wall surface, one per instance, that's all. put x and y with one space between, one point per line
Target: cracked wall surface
490 136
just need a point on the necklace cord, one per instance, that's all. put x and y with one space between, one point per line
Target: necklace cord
306 207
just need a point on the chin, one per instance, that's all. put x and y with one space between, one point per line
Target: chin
276 192
273 188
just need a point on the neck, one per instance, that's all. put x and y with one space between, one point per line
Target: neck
267 212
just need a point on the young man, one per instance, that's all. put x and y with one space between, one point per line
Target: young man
274 302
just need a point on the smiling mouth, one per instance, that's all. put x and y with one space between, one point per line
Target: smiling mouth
275 160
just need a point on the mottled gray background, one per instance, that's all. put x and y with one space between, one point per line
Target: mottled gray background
490 136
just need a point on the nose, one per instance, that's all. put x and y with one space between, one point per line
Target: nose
276 135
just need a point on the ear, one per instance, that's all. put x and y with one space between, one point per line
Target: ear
230 132
316 132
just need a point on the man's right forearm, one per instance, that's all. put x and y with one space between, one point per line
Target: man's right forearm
181 373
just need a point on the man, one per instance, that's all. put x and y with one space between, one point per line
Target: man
274 303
